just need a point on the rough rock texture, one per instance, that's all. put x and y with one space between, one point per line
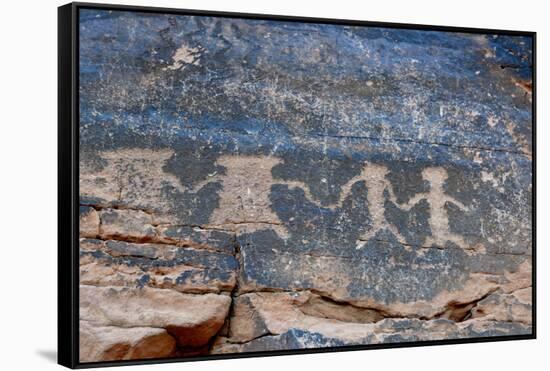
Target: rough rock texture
192 319
252 185
110 343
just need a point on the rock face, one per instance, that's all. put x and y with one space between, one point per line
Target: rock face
250 185
110 343
192 319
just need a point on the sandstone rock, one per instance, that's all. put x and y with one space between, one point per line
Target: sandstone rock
118 263
515 307
317 306
268 315
191 319
88 222
277 313
88 245
133 225
222 345
383 274
399 330
108 343
474 328
246 323
198 237
137 225
292 339
387 331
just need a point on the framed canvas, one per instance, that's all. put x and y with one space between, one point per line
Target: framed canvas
237 185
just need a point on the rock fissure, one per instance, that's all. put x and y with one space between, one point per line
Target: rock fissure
459 312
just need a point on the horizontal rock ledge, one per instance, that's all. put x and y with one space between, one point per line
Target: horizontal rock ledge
192 319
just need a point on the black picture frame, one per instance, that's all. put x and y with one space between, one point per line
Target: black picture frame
68 182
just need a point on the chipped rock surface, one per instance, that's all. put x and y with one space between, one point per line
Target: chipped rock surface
252 185
110 343
203 316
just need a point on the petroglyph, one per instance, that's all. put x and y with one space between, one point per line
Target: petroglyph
246 185
134 176
244 200
439 220
377 183
184 56
137 178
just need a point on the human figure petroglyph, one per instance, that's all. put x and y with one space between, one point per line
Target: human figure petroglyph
439 220
243 201
436 197
247 183
377 183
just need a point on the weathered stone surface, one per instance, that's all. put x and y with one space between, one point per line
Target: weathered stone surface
118 263
133 225
515 307
197 237
276 314
191 319
292 339
386 331
384 274
250 185
88 222
107 343
246 322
